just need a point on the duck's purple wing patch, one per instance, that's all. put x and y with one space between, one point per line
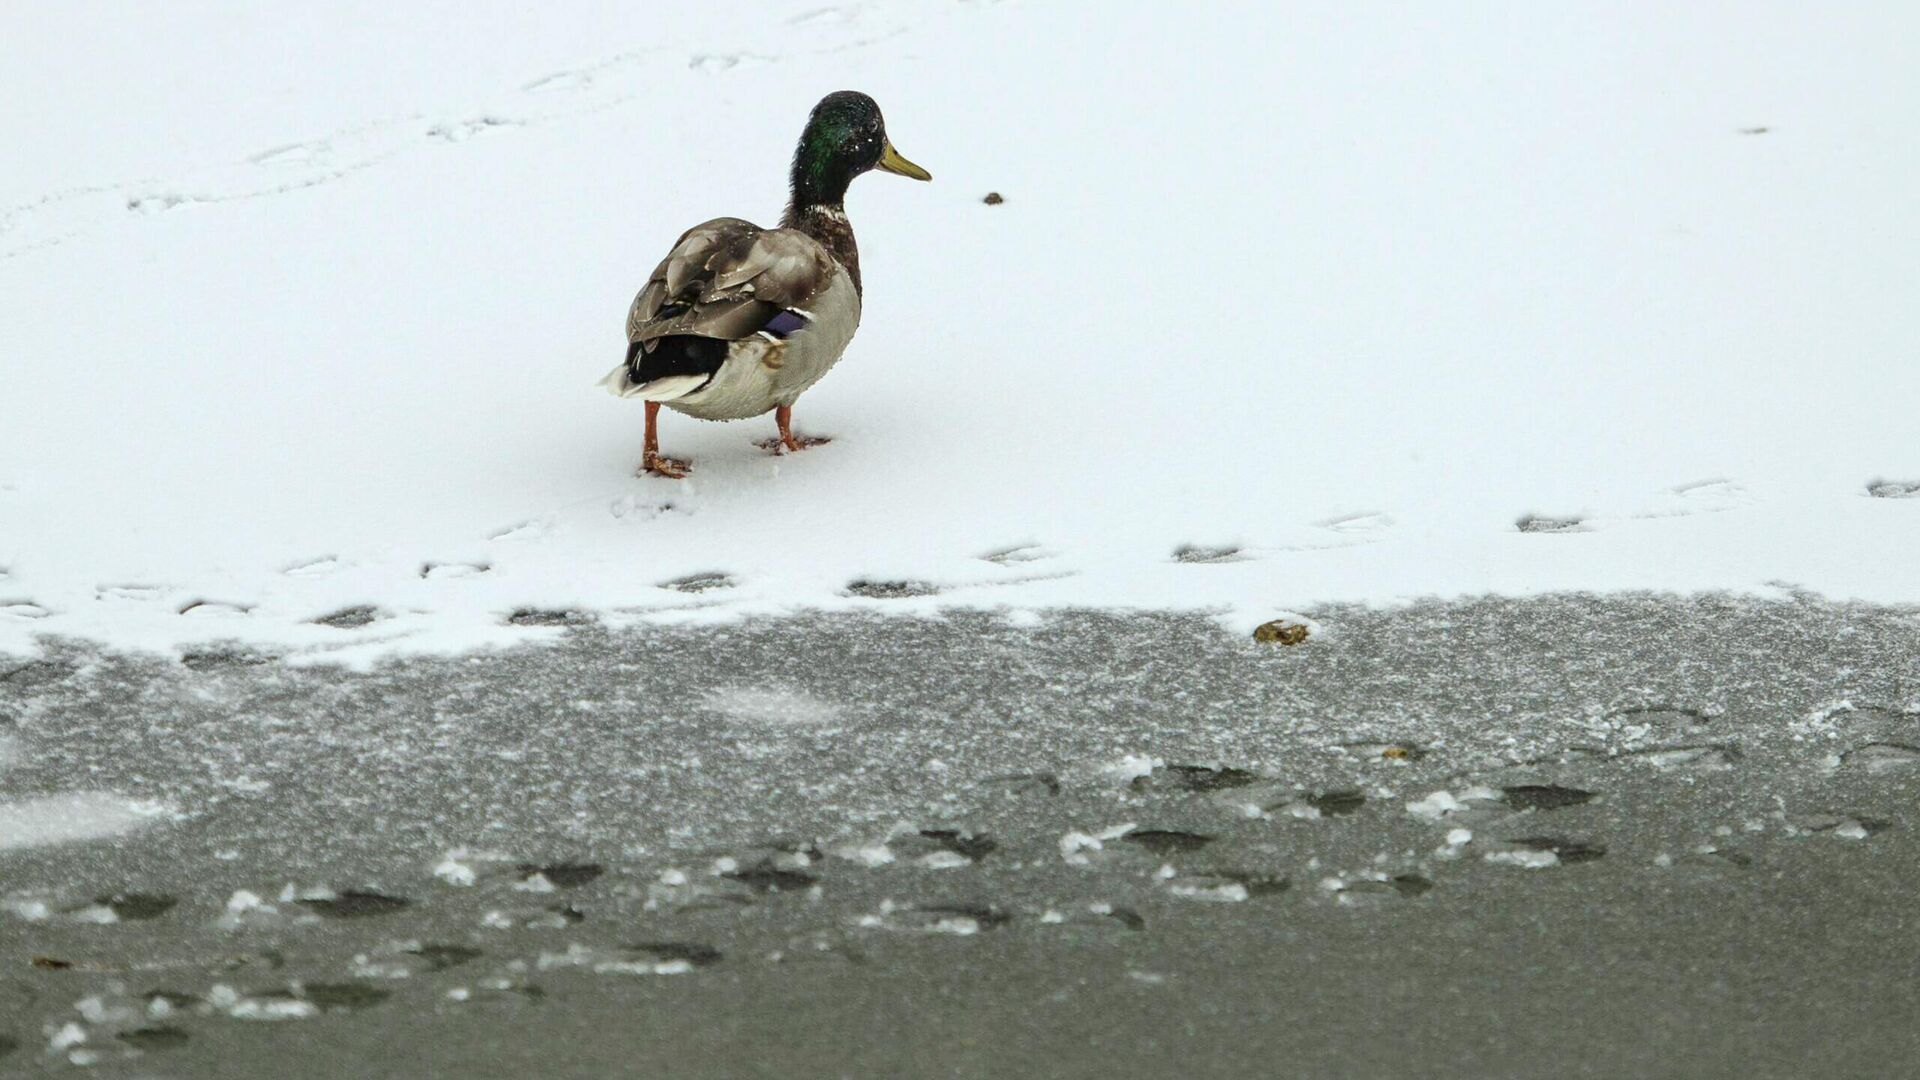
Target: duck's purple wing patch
785 323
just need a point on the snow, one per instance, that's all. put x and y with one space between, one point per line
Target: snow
303 313
867 855
772 706
1436 806
73 816
1531 860
454 872
1076 847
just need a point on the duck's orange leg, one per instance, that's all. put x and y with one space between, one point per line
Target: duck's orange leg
651 460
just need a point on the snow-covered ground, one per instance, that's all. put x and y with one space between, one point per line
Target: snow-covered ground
301 310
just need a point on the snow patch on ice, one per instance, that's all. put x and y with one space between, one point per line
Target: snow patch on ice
1078 848
1131 767
772 706
454 872
74 816
868 855
1530 859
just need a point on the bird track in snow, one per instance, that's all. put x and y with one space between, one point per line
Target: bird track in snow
69 213
1716 496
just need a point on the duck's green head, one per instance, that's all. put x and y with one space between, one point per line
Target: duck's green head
845 137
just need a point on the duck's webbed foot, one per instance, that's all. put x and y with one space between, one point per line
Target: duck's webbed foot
787 441
657 464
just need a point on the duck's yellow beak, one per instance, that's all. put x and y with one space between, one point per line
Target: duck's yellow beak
892 162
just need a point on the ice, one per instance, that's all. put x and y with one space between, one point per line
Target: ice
74 816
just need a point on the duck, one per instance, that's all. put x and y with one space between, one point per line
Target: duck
738 321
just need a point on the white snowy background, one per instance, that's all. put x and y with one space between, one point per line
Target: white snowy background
301 309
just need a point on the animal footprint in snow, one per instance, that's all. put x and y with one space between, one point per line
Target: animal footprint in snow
23 609
698 583
635 508
1195 553
326 564
1715 495
214 609
1346 530
548 617
1019 553
129 592
1541 523
462 130
306 153
444 571
891 590
562 80
1894 489
1704 497
1366 525
823 16
351 618
532 529
715 62
160 203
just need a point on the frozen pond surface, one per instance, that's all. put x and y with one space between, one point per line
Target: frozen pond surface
1566 836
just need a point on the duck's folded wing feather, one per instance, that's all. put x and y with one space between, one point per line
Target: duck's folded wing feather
728 279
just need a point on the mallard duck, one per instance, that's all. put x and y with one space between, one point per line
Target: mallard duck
738 320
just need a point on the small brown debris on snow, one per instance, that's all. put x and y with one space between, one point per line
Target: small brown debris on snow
1280 631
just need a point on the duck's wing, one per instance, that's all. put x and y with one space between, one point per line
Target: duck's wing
724 281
